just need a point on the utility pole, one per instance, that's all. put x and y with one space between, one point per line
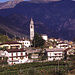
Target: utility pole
6 31
55 69
58 64
34 43
15 37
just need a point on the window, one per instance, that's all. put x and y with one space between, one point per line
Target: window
26 54
59 53
21 58
55 54
23 43
11 54
31 26
16 57
16 54
21 53
11 47
12 59
50 54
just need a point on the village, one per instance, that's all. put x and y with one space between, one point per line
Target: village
21 50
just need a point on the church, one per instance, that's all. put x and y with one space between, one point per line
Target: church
31 29
44 36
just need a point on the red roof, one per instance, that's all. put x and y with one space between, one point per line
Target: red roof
61 43
68 49
63 46
15 50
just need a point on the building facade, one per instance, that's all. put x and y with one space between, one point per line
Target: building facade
25 42
16 56
44 36
54 54
11 45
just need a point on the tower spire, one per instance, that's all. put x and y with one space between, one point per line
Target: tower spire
31 22
31 29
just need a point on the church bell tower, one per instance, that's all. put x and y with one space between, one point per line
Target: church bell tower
31 29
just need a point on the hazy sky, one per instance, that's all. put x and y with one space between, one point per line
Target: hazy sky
25 0
3 0
6 0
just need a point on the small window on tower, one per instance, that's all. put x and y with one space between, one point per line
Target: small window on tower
31 26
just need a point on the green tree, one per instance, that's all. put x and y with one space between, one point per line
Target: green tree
4 38
38 41
17 38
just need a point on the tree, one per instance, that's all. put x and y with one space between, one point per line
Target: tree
74 40
38 41
4 38
18 38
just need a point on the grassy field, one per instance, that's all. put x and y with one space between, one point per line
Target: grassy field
41 68
72 72
35 68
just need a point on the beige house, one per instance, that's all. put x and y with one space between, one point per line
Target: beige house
35 56
11 45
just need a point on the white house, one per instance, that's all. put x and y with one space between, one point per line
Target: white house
63 45
52 39
55 54
2 54
16 56
44 36
25 42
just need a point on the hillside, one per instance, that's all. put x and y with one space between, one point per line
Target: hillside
19 25
57 18
43 1
8 29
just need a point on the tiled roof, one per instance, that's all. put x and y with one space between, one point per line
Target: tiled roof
43 34
10 43
61 43
55 50
15 50
64 46
67 49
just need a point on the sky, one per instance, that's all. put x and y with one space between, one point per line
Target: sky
25 0
6 0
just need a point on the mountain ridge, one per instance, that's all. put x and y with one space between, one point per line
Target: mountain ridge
9 4
56 16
